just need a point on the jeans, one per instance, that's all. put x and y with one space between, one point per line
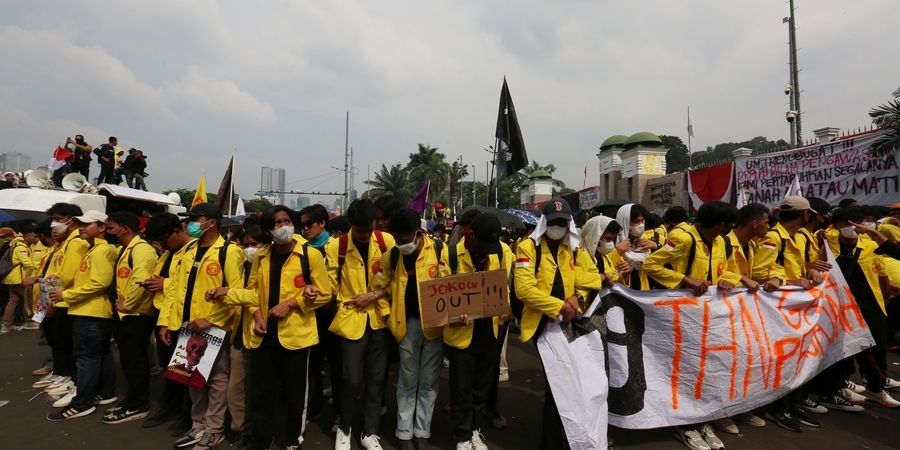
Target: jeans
473 372
93 360
417 382
133 338
138 182
367 356
279 376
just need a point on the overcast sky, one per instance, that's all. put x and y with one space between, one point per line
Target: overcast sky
188 80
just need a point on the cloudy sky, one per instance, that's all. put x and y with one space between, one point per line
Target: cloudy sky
187 81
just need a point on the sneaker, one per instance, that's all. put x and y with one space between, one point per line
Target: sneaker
422 443
709 435
852 396
190 438
65 400
859 389
111 411
785 420
812 406
504 376
120 415
5 329
44 381
342 440
751 419
61 389
61 384
370 442
478 441
803 417
407 444
162 416
43 371
690 438
209 441
838 402
182 426
70 413
30 325
891 383
885 399
108 400
727 425
464 445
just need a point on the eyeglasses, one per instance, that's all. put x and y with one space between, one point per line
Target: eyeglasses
306 224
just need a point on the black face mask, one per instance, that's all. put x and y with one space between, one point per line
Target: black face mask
111 238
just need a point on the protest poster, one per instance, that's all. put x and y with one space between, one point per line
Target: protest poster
194 356
843 168
476 295
45 287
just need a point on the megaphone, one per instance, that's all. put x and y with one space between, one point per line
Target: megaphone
75 182
174 197
38 178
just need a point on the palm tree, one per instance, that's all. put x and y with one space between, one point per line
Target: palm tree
887 117
458 173
550 168
392 180
428 165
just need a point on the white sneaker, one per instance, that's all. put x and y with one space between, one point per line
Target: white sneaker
62 389
891 383
60 381
690 438
852 396
464 445
709 435
45 381
370 442
859 389
478 441
65 400
751 419
504 376
341 440
885 399
727 425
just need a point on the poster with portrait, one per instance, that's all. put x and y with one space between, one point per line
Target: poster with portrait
194 356
45 287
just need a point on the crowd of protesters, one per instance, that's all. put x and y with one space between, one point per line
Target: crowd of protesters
300 294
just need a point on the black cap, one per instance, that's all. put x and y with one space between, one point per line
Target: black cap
486 228
209 210
557 208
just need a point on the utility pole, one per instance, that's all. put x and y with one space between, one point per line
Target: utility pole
346 162
794 114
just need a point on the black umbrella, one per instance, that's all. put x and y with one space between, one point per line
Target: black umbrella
507 220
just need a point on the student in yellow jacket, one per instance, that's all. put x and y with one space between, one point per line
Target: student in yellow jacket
23 265
91 308
696 259
207 263
354 261
288 281
473 347
415 258
675 218
599 233
779 259
41 265
137 318
548 296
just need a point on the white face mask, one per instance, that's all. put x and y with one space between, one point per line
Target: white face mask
605 248
283 235
869 224
556 232
849 233
636 230
58 227
251 252
408 248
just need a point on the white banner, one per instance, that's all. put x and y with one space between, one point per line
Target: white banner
833 171
194 356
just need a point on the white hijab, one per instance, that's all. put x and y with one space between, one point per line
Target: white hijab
623 217
572 238
591 232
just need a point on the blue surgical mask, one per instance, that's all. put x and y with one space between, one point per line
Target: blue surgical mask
320 240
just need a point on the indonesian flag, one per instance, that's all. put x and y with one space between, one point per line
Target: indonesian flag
59 158
711 184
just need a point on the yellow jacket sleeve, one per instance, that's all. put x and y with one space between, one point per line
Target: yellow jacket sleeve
101 269
587 277
382 281
234 275
143 259
248 295
677 247
526 283
331 264
75 252
22 257
765 265
319 275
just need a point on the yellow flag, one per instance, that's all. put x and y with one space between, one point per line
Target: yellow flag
200 194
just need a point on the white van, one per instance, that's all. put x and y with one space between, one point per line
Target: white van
31 203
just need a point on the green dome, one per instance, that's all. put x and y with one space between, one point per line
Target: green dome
617 140
540 173
643 137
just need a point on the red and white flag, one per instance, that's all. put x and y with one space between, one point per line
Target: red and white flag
59 158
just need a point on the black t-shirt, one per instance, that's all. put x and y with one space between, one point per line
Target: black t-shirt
278 260
363 248
856 279
192 279
412 293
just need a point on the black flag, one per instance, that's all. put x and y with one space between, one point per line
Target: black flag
511 156
226 190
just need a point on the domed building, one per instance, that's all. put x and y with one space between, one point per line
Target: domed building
626 163
538 188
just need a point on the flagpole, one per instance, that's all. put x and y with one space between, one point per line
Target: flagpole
690 152
496 175
231 191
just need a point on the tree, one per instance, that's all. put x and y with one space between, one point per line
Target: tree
256 205
887 117
428 164
550 168
458 173
677 158
392 180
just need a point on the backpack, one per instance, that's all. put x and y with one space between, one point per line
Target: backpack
304 265
344 242
6 259
453 259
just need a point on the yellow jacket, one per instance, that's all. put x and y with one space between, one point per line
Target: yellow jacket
740 263
23 262
298 330
890 231
808 245
38 250
142 257
89 294
66 261
778 256
160 301
669 265
461 336
428 267
350 323
872 265
577 271
209 275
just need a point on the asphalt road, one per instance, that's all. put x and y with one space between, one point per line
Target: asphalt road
23 424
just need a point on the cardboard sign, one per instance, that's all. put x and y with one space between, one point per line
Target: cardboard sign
476 295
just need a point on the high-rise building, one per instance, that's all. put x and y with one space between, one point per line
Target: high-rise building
271 184
14 162
300 202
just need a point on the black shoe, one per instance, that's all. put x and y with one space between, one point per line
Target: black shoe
785 420
123 415
406 444
803 417
422 443
182 426
70 413
162 416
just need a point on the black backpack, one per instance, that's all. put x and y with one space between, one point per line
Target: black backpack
6 259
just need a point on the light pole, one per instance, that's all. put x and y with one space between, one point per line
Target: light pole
793 115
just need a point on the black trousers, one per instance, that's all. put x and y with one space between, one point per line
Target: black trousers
491 405
277 374
329 347
107 174
473 372
364 362
133 338
59 337
873 360
175 397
